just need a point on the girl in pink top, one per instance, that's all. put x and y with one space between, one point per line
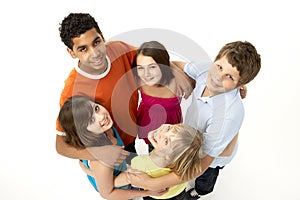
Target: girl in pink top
159 104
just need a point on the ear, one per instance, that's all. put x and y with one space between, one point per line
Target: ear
71 52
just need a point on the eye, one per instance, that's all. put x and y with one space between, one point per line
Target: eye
97 42
83 49
153 66
139 67
169 128
219 67
166 141
229 76
97 108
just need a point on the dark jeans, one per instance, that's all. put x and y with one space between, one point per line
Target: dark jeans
205 183
180 196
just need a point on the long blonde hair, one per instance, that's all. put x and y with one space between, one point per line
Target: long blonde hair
185 152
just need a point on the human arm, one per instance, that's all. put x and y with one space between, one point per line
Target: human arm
142 180
110 154
105 184
180 65
230 147
185 84
121 179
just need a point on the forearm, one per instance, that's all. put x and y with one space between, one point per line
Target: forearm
121 180
120 194
230 147
184 83
205 163
71 152
179 64
162 182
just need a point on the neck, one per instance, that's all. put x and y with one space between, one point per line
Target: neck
158 159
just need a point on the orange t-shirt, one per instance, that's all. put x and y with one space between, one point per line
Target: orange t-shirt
116 91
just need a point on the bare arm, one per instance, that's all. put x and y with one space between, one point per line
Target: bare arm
71 152
230 147
121 180
184 82
105 184
110 154
142 180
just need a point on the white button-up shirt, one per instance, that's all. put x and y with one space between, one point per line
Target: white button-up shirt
219 117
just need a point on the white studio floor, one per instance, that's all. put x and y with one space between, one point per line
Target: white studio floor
35 64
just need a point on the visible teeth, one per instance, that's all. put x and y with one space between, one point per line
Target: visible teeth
103 122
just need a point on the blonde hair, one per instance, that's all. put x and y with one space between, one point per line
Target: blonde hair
186 152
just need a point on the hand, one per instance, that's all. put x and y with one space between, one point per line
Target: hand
137 178
185 84
86 170
243 91
109 155
158 192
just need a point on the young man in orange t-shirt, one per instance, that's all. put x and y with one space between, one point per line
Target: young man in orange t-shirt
102 70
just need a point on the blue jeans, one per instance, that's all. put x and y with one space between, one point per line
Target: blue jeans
205 183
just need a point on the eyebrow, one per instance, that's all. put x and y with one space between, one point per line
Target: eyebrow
147 65
83 46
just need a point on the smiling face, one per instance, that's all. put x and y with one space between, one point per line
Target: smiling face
148 70
90 49
100 120
162 137
222 77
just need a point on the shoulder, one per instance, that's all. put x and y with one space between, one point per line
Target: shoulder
196 71
119 49
120 45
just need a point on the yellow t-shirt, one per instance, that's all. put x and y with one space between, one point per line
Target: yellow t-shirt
145 164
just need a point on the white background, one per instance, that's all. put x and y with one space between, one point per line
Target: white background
34 64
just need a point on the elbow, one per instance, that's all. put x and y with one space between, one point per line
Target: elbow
105 195
59 144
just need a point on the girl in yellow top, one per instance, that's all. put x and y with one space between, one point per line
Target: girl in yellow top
177 148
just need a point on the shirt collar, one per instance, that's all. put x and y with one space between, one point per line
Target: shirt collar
91 76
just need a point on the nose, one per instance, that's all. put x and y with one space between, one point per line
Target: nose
147 71
95 52
100 118
217 74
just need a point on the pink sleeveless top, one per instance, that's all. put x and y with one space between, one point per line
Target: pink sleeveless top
155 111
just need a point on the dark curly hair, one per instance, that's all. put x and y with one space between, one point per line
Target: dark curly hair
76 24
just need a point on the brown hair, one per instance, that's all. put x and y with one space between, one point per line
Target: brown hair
161 56
244 57
74 117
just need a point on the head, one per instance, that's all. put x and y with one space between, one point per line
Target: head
181 146
152 63
84 120
84 40
236 64
76 24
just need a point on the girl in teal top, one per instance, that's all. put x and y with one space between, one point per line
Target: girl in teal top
88 124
